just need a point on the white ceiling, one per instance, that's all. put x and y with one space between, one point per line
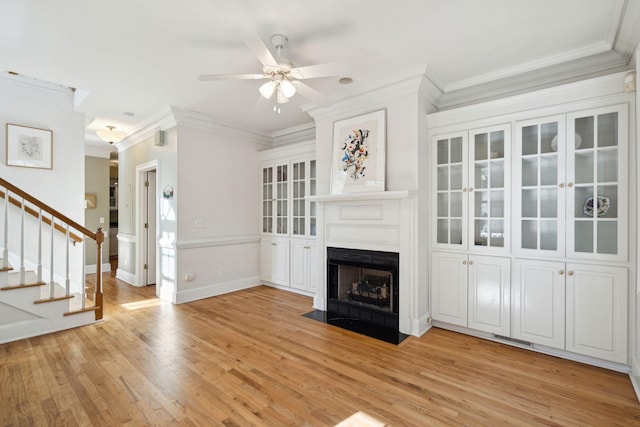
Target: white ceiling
144 56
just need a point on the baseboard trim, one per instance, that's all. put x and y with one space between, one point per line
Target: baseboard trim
421 325
91 268
126 277
634 376
42 326
215 289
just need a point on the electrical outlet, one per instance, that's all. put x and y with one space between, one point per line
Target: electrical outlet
221 271
101 221
199 222
189 277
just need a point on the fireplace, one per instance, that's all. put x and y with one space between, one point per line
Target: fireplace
363 292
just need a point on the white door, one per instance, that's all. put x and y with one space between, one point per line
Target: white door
538 303
150 227
449 288
281 262
597 311
489 294
299 264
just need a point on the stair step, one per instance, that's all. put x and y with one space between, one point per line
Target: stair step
46 300
3 269
82 310
30 281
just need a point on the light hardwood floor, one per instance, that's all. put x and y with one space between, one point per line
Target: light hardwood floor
250 358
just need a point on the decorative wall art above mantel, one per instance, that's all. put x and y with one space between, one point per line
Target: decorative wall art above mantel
29 147
358 156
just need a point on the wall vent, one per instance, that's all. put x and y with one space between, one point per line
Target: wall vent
515 340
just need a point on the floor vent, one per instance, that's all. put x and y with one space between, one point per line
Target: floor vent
515 340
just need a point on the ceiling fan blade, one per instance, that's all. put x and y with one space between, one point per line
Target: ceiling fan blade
260 50
311 94
321 70
211 77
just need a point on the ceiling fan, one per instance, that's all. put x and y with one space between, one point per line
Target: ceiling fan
284 80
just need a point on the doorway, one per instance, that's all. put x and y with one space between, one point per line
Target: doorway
149 201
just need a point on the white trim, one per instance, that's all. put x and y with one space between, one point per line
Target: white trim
200 121
421 325
140 220
91 268
302 133
287 152
125 276
217 241
42 326
382 195
215 289
126 238
634 376
163 121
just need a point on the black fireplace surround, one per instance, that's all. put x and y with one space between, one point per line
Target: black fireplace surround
363 291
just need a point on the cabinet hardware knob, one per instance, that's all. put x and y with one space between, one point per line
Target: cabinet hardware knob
273 244
470 262
470 189
561 185
464 262
570 185
464 190
561 272
570 273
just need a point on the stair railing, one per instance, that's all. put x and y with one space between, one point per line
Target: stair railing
61 223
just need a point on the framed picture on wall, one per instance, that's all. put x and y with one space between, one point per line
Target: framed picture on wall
29 147
358 157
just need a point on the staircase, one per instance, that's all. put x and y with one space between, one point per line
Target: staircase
37 298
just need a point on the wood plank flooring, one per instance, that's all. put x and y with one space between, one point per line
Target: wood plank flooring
251 358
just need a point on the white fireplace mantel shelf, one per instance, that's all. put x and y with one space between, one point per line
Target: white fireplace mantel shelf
380 195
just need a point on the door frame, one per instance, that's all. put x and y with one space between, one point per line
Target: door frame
141 243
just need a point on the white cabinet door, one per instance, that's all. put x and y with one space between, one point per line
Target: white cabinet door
540 187
304 264
449 288
597 311
538 303
299 264
281 262
597 197
489 294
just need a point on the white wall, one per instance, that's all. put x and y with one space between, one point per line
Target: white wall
97 183
218 241
42 105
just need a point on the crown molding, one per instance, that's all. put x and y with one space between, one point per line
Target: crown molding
204 122
628 36
371 96
288 152
293 135
162 122
580 69
97 150
36 83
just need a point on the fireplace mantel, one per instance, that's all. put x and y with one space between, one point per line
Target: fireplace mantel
380 195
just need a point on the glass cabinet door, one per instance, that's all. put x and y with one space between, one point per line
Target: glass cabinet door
312 192
267 199
539 174
450 190
597 199
282 194
297 199
488 190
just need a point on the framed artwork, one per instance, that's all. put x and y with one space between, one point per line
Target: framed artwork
358 157
90 201
29 147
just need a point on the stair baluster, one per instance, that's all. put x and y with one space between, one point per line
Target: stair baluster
39 246
83 292
67 282
51 282
22 269
5 252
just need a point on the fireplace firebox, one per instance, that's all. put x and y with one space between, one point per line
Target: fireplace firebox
362 290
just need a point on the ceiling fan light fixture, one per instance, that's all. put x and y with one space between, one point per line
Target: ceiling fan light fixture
267 89
110 135
287 88
281 98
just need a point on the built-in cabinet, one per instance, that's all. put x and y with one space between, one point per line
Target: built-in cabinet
289 220
530 229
